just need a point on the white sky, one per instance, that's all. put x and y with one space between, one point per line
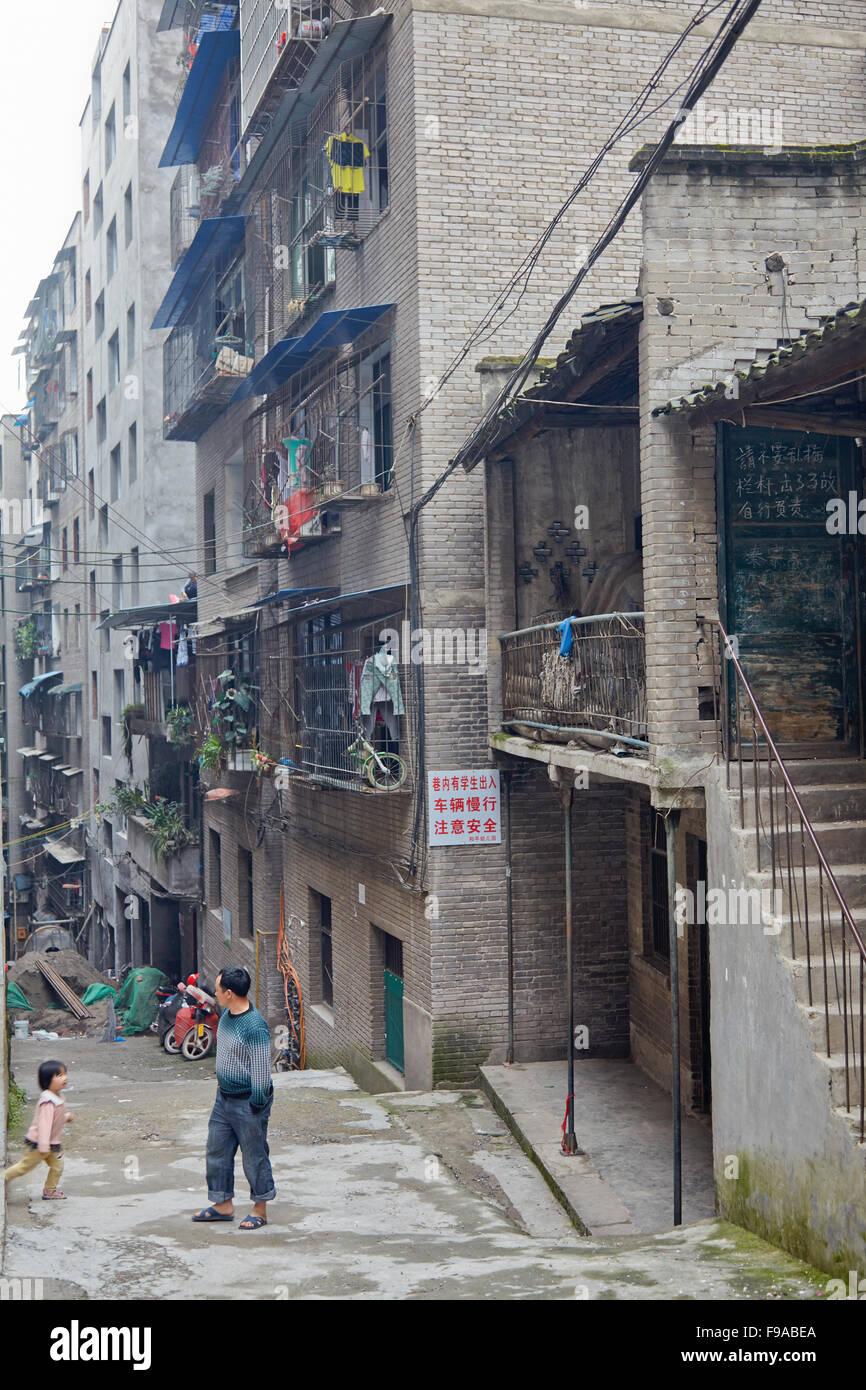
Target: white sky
46 50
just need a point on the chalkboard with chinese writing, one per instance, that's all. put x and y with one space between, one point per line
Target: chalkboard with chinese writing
789 586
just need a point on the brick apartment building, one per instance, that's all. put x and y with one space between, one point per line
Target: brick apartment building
315 313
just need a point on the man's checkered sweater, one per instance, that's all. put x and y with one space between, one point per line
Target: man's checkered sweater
243 1056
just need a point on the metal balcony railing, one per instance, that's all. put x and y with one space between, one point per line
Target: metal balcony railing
596 689
185 204
204 360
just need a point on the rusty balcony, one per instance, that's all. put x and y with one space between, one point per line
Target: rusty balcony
591 688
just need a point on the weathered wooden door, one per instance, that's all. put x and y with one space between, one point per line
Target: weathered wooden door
789 588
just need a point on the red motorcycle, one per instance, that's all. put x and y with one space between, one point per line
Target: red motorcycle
195 1024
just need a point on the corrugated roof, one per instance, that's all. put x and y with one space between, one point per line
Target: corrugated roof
831 331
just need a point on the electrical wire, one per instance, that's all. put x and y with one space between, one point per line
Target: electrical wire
712 59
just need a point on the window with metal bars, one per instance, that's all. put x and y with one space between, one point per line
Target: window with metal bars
325 188
326 436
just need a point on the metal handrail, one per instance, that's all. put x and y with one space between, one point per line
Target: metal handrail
854 1054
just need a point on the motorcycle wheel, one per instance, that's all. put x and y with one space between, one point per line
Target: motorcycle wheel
170 1044
194 1047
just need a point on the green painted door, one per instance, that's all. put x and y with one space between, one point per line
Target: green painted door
790 587
394 1020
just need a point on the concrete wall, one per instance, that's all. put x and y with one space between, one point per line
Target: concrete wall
798 1178
155 511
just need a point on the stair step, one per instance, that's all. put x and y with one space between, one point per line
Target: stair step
835 1065
803 771
816 1020
851 878
841 843
822 803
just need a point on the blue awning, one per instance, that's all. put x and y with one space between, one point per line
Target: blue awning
215 52
332 329
215 236
39 682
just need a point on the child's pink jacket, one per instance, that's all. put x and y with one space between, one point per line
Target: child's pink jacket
48 1122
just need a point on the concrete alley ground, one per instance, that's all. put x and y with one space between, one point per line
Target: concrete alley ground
388 1197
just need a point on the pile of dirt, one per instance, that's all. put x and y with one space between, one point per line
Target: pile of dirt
78 974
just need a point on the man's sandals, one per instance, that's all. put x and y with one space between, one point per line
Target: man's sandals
211 1214
249 1223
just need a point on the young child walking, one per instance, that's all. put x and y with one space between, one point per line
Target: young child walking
43 1138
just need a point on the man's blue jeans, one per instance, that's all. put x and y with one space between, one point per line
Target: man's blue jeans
233 1125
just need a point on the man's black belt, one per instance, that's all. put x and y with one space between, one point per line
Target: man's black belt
234 1095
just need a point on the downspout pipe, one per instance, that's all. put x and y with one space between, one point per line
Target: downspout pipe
569 1140
672 820
509 908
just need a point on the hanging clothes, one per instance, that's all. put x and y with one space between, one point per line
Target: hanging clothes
346 155
183 648
168 635
380 674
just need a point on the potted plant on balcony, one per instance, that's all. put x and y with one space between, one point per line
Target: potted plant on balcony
179 722
168 828
130 712
25 640
210 755
230 721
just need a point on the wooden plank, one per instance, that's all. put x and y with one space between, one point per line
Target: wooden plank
63 991
851 426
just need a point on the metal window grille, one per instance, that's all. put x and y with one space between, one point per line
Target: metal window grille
185 210
278 42
340 420
205 356
312 199
222 156
310 699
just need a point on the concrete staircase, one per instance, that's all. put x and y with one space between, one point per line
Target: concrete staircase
826 979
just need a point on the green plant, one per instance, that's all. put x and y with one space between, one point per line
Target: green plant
210 754
129 712
17 1102
179 722
230 709
168 828
25 640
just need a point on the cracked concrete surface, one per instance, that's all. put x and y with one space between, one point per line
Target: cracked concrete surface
399 1196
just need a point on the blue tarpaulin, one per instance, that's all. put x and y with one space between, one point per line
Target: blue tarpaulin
214 238
215 52
332 329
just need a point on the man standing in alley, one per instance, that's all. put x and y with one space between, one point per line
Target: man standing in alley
242 1108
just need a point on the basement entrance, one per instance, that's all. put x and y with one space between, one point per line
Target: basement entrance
790 588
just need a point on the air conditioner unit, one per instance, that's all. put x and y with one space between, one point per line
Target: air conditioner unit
323 524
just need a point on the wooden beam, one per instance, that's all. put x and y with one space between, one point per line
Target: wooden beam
852 426
584 383
587 419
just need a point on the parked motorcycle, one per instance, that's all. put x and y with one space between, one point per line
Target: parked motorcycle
195 1024
171 1000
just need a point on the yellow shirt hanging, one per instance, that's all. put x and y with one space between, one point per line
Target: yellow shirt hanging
346 155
